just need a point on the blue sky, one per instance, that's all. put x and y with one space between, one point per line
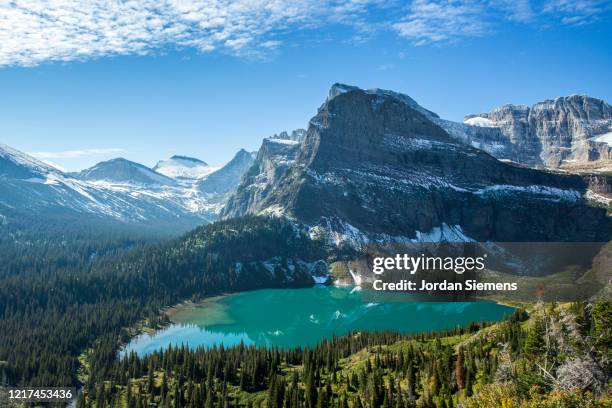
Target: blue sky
85 82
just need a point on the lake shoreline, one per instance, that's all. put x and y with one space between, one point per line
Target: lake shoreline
301 317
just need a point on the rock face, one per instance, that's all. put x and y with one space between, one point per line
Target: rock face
566 130
296 135
375 166
274 158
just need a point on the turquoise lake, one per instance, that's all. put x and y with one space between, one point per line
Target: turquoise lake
302 317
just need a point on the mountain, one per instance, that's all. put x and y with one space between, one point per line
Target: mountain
296 135
183 167
227 178
117 192
275 156
564 131
374 166
125 171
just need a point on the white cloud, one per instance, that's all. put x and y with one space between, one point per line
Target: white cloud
516 10
74 154
439 21
34 31
577 12
431 21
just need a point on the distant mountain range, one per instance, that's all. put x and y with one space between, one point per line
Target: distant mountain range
554 133
116 191
373 165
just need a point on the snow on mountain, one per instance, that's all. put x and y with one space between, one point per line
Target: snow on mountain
124 171
478 121
374 165
553 133
183 167
117 190
275 156
225 180
605 138
16 163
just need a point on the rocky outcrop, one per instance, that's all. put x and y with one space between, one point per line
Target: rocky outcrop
570 129
599 183
274 158
296 135
375 166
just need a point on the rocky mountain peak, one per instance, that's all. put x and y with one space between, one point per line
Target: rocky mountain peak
375 165
555 132
296 135
339 89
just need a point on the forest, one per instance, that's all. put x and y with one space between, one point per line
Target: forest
61 297
66 306
556 356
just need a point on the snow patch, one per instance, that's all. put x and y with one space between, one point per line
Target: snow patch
480 122
185 168
275 210
282 141
444 233
605 138
545 191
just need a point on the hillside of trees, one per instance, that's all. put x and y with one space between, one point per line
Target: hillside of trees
61 300
558 356
60 297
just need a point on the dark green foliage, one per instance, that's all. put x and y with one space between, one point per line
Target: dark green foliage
314 380
59 297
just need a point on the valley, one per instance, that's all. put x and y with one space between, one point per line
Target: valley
89 257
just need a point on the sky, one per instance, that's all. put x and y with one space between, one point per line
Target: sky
84 82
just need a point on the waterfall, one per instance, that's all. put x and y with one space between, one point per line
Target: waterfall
356 278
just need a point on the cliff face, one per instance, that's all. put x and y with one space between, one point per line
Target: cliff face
274 158
570 129
374 164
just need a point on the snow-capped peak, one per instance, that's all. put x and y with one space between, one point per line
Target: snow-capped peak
124 171
24 161
184 167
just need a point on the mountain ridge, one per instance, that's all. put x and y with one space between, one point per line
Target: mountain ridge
375 166
116 192
122 170
553 132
